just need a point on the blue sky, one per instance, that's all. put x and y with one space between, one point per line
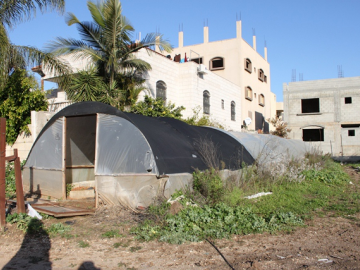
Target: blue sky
311 36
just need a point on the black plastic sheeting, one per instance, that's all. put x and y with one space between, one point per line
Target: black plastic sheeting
175 144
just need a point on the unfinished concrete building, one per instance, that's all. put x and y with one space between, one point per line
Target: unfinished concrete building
325 113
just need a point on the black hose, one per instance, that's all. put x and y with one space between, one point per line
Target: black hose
220 254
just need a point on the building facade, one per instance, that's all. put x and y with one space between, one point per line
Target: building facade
226 80
238 62
325 113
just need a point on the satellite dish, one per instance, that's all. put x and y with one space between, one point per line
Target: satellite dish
247 121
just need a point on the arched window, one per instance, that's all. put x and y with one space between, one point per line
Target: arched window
248 65
233 111
248 93
261 100
217 63
161 90
261 75
206 102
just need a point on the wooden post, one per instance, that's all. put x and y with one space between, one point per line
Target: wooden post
2 170
20 204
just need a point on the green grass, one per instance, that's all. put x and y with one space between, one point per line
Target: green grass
83 244
111 234
321 189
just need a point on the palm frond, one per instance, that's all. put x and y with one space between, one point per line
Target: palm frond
14 11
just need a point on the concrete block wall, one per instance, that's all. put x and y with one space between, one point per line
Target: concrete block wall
333 112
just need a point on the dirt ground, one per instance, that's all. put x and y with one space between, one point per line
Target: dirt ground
325 243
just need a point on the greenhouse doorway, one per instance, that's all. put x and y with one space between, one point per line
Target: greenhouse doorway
80 142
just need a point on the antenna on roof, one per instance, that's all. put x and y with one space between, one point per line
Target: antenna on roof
207 22
265 42
182 27
301 77
340 71
254 34
293 76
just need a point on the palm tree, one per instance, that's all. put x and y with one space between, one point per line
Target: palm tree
12 56
106 44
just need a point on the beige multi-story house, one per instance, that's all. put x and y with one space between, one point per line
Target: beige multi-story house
325 113
240 63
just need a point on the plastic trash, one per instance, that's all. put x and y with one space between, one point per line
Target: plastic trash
33 213
258 195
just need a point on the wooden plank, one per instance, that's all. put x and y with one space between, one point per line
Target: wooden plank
19 187
79 166
2 170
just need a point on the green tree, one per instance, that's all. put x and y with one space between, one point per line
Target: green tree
18 98
157 108
106 43
13 56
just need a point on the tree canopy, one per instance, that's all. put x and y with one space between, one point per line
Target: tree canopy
107 45
13 56
18 98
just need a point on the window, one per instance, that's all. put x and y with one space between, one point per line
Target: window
351 132
161 90
313 135
265 78
206 102
261 100
222 104
197 60
248 93
217 63
348 100
261 75
248 65
310 105
233 111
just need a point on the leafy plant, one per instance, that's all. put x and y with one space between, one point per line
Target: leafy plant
210 185
197 120
26 223
157 108
10 182
111 234
18 98
69 187
58 228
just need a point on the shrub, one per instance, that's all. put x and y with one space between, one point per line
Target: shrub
210 185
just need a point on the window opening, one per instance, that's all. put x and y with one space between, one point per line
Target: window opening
197 60
261 75
222 104
248 65
217 63
161 90
351 132
248 93
310 105
261 100
313 135
233 111
348 100
265 78
206 102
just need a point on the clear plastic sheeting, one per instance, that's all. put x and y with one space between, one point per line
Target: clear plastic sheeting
47 150
122 148
267 149
133 191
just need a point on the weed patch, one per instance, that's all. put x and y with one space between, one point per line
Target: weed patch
111 234
83 244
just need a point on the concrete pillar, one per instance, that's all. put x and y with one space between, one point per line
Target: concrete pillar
157 42
238 29
206 34
265 54
181 39
254 42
